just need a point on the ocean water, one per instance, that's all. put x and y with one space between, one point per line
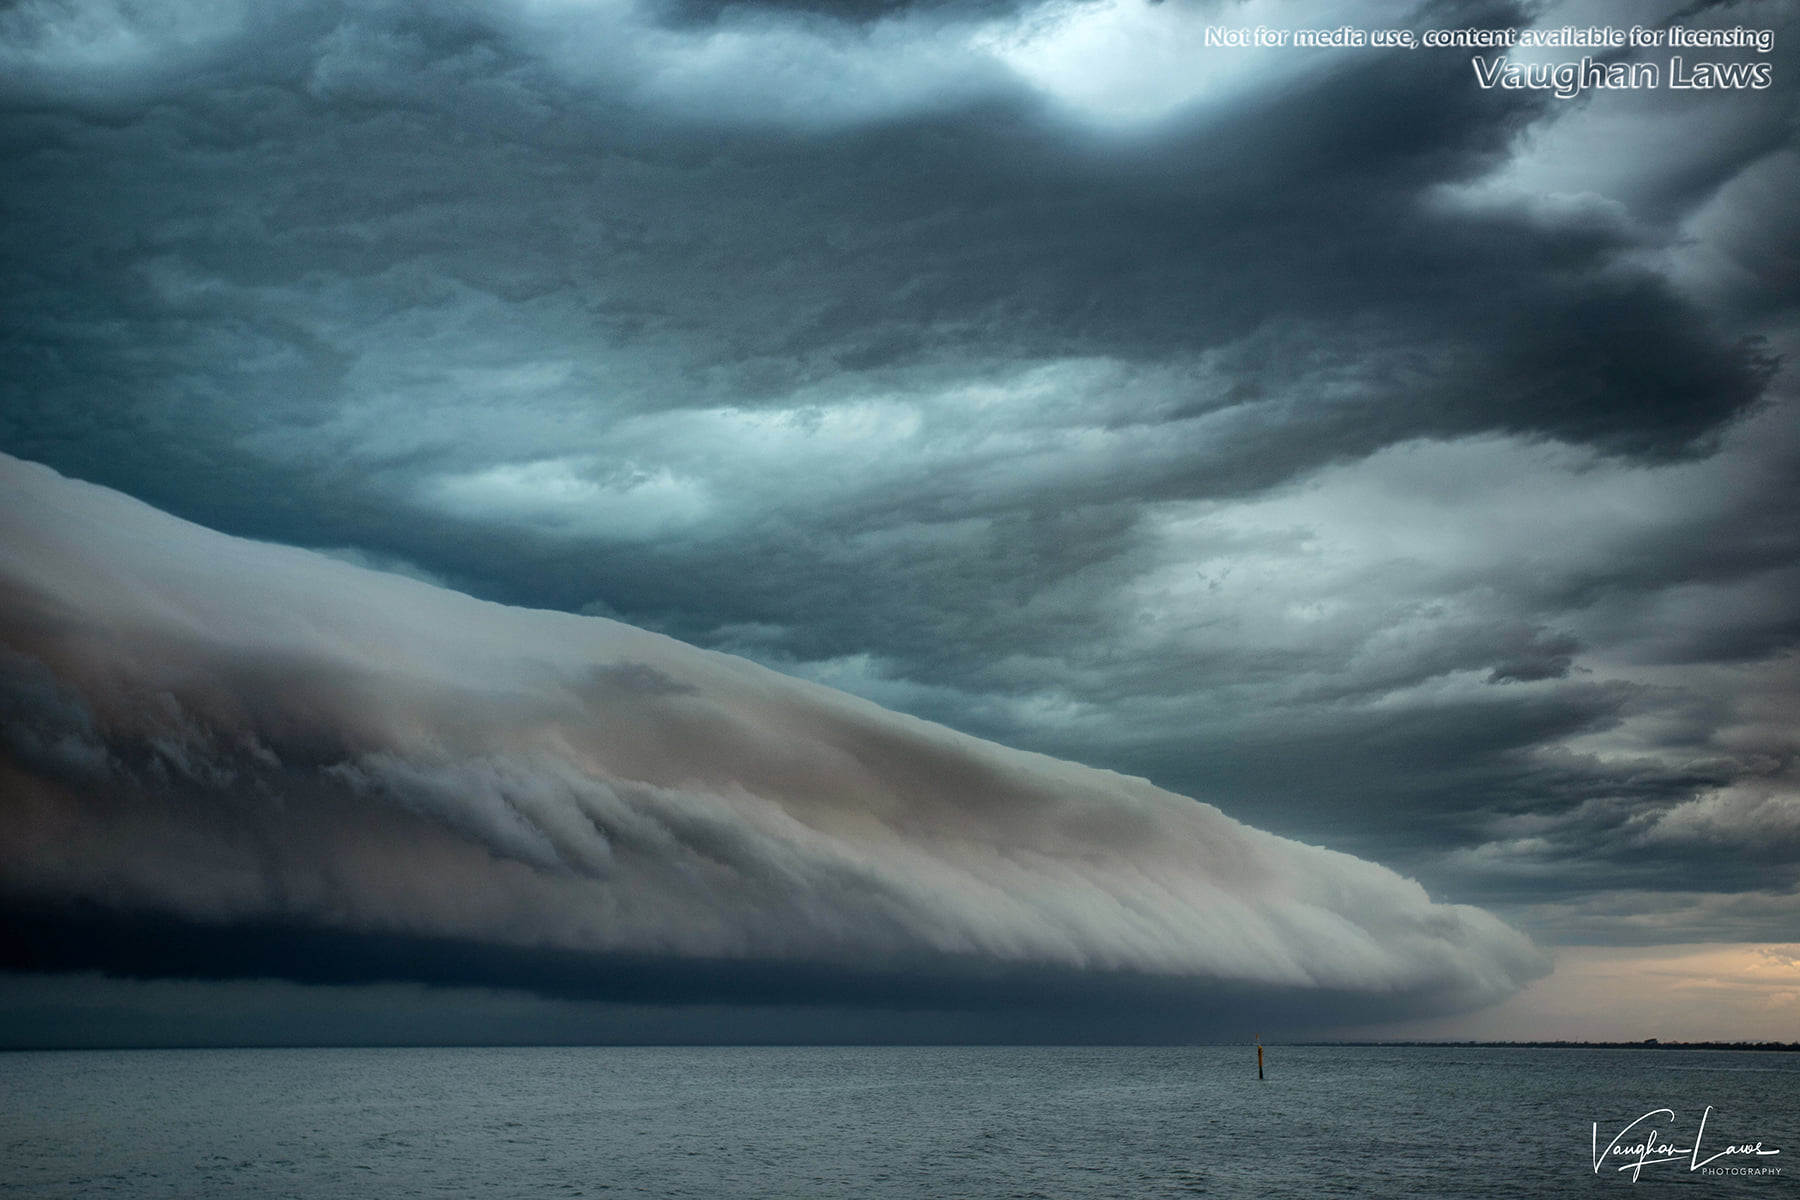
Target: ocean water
874 1122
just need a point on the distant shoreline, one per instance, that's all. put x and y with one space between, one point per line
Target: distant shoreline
1650 1044
70 1047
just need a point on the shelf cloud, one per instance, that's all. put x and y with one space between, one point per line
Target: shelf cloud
222 735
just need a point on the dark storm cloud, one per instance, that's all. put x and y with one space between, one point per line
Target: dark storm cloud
938 995
437 177
1383 459
43 1010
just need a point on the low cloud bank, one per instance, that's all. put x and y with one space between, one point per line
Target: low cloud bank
219 735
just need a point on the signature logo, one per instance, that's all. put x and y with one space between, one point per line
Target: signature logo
1640 1145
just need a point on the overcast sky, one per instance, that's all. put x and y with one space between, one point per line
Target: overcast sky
1401 467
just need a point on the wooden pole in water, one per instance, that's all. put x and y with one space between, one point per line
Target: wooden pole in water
1259 1073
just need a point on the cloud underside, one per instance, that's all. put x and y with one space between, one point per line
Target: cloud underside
294 766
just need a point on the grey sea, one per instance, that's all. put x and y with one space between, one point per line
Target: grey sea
903 1122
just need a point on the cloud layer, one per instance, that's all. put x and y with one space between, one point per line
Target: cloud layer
1399 465
232 733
